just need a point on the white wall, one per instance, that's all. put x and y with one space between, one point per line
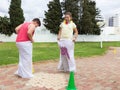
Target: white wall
43 35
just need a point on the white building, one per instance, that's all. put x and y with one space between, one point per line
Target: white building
114 21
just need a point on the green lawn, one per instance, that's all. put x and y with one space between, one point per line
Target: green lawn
50 51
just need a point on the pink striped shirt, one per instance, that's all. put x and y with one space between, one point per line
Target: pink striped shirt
22 34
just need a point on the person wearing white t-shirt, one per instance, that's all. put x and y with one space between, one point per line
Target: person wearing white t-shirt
66 40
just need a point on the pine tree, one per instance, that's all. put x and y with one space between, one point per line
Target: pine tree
16 14
53 16
89 17
73 7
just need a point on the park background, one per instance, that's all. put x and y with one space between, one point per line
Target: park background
110 13
109 34
97 67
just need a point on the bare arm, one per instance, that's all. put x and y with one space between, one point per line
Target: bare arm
18 28
59 34
30 32
75 34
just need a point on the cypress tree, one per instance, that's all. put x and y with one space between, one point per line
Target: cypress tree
16 14
53 16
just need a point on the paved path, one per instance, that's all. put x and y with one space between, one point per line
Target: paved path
95 73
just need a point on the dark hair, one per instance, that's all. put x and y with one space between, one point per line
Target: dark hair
37 20
68 13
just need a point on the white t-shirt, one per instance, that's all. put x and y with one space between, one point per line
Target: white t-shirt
67 30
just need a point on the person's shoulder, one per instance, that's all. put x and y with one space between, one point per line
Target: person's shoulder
25 23
72 22
61 24
31 25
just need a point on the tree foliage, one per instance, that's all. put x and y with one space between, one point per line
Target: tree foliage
5 26
16 14
84 12
53 16
90 17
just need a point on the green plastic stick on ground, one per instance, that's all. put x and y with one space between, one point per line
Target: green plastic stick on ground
71 84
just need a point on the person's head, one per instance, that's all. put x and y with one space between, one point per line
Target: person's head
68 16
36 22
